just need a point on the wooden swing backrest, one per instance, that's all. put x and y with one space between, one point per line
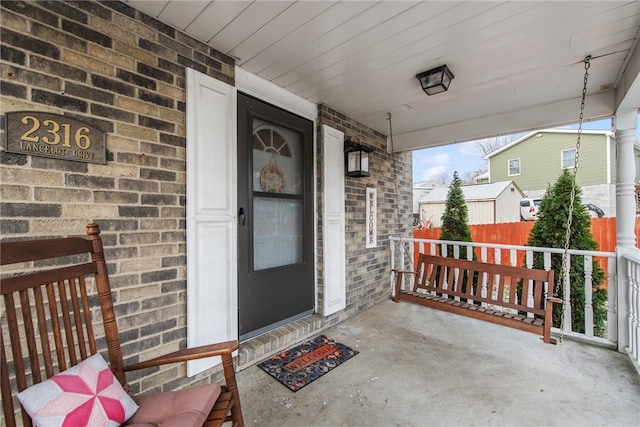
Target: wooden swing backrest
487 283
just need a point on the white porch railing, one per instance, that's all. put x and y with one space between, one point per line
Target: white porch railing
632 265
402 256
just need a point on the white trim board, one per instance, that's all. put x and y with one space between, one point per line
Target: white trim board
253 85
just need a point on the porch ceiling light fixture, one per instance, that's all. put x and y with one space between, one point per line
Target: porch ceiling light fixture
436 80
356 158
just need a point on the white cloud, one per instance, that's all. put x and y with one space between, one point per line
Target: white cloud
444 160
429 174
468 148
441 159
423 159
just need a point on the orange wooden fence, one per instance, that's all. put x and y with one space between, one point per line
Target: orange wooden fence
517 233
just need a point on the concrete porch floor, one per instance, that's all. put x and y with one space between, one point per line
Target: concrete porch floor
419 366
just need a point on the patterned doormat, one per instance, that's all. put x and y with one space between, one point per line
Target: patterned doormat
304 363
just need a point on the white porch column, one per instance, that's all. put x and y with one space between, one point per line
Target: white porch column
625 125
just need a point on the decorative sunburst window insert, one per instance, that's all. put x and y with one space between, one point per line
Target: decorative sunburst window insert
271 140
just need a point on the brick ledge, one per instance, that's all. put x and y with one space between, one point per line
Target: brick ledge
266 345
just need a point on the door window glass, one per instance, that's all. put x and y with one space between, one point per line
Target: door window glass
277 196
277 238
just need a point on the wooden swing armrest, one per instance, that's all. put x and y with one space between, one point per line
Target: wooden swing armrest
548 319
220 349
399 274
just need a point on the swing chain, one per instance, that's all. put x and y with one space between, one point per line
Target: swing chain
564 276
403 249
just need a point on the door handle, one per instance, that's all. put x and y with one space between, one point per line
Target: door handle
241 213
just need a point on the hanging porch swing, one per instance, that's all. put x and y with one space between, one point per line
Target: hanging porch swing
447 284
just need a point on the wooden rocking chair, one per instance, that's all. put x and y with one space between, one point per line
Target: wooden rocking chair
46 313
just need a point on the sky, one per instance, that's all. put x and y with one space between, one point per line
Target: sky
466 157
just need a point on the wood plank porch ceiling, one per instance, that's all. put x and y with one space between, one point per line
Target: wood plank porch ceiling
517 64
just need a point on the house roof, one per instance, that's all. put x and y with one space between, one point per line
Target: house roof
477 192
483 175
427 184
531 134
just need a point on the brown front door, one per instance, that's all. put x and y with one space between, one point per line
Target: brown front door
275 214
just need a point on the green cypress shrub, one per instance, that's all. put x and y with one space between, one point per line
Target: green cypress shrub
455 218
550 231
455 226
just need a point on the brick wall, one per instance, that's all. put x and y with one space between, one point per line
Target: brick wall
368 269
123 72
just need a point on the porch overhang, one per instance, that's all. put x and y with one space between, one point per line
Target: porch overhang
518 66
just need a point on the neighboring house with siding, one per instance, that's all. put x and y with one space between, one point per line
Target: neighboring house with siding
534 162
492 203
483 178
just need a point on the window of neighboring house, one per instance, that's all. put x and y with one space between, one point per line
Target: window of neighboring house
514 167
569 158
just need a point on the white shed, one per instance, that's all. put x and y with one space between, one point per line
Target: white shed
419 191
487 203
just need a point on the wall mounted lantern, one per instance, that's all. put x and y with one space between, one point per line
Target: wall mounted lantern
356 158
436 80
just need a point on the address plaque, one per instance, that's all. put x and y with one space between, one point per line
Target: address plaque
54 135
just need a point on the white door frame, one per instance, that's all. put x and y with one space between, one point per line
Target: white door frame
268 92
